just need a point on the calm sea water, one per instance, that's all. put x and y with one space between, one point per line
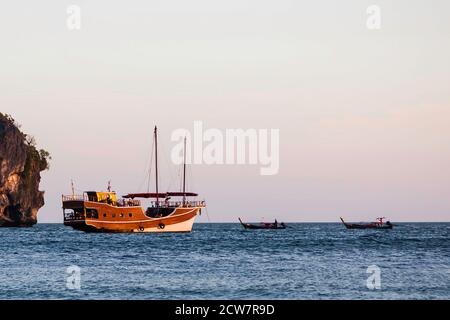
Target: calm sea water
222 261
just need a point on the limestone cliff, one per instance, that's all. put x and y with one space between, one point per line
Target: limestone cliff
20 167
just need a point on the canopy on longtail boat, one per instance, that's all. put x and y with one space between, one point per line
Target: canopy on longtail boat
160 195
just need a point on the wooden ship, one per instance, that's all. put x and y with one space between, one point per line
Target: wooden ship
95 211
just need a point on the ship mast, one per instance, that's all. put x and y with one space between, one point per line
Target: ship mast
156 165
184 174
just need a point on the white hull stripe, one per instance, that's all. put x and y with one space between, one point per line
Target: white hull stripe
184 226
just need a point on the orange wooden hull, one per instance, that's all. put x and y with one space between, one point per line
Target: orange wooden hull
109 218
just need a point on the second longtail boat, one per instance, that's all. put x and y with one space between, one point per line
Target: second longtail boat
379 224
263 225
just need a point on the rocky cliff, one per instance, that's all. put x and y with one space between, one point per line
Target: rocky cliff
20 167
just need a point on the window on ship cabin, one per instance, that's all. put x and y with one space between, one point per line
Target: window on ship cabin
92 213
131 215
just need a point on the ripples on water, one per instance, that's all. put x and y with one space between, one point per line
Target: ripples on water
222 261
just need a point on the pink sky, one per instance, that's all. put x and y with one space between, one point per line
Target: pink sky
363 115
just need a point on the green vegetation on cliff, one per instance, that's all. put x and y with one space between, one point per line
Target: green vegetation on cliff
21 163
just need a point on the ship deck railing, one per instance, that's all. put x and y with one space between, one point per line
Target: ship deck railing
128 203
137 203
177 204
75 197
118 203
71 216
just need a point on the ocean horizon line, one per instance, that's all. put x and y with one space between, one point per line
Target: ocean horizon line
287 222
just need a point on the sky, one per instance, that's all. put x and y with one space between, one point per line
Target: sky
363 114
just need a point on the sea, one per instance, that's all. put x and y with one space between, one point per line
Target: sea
223 261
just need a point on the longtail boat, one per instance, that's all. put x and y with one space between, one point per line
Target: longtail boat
263 225
379 224
103 212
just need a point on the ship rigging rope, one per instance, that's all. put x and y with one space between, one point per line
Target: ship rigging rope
147 170
151 166
207 214
178 174
166 161
190 183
